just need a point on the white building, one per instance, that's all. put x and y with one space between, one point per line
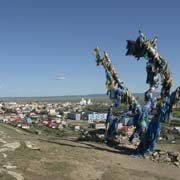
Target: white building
89 102
83 102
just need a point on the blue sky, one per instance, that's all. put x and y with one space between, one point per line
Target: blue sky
46 45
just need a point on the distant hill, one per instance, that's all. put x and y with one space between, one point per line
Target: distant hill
72 98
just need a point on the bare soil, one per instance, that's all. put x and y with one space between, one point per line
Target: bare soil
65 158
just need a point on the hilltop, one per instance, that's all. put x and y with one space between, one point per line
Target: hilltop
94 97
46 156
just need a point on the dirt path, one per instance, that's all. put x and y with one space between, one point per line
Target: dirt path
69 160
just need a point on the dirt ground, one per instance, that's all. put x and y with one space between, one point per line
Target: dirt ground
55 158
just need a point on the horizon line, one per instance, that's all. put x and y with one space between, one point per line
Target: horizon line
104 94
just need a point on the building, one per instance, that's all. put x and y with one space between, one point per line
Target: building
89 102
28 120
52 112
83 102
25 126
93 116
74 116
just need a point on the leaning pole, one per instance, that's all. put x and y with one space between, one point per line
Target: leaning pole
146 118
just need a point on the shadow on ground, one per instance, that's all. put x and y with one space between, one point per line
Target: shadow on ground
110 146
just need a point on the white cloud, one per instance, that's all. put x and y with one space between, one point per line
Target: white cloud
60 76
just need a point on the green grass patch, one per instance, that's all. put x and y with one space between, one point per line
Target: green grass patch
175 123
5 176
62 166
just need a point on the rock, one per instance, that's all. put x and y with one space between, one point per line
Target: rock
77 128
178 158
13 145
130 146
4 155
160 138
88 136
100 136
16 175
38 132
173 156
170 153
152 159
162 152
4 149
156 158
167 160
2 141
30 145
10 146
176 130
155 154
177 164
170 137
124 137
9 167
146 157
